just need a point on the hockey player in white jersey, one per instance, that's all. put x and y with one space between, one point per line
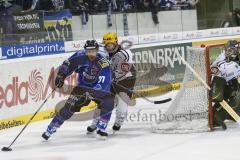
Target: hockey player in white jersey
124 77
225 82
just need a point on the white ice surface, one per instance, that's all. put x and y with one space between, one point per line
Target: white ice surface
134 142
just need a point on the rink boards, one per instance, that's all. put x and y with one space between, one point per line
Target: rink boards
26 82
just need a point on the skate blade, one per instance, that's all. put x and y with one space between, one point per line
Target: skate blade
90 134
44 140
45 136
114 132
101 138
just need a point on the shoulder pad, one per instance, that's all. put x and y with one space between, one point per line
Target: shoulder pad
124 54
103 62
103 54
81 52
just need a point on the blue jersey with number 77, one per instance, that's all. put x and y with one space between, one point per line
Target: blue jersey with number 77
94 74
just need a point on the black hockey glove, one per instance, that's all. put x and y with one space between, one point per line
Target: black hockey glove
59 81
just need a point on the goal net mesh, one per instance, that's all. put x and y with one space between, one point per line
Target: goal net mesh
189 110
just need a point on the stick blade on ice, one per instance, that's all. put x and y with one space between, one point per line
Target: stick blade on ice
163 101
6 149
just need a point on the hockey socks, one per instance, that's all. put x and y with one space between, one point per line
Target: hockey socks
52 127
101 126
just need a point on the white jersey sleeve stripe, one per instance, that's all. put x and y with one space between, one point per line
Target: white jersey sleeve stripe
125 54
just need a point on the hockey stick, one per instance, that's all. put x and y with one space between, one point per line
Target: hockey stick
8 148
143 97
224 104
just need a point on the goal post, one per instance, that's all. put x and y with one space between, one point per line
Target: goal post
193 99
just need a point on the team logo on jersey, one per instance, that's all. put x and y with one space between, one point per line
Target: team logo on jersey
94 70
103 62
125 67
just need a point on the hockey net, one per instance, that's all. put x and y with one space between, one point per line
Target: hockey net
191 110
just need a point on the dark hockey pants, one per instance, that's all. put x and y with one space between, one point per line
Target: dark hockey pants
228 91
80 97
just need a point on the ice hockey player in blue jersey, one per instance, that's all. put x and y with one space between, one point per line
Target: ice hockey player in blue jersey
124 77
94 83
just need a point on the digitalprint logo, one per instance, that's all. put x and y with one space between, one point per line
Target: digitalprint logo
36 86
1 55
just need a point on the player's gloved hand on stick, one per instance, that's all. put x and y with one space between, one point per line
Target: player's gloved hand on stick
59 81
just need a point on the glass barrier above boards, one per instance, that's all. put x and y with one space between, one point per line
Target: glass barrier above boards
38 26
24 23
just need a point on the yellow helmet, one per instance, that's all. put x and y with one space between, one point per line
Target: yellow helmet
110 37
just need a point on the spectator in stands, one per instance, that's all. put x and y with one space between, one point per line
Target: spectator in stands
228 21
193 3
154 9
98 6
187 4
139 5
92 5
128 5
81 7
167 4
236 16
47 5
153 6
11 6
8 27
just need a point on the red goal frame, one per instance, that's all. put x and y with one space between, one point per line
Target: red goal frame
208 78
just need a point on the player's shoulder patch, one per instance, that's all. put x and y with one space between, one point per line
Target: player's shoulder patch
103 62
